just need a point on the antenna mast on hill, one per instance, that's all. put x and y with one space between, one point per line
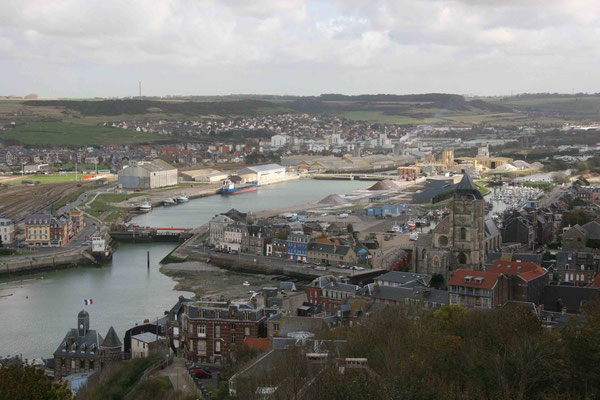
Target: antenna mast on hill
140 96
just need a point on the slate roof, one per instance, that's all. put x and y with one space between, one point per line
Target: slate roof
571 297
288 286
592 230
84 346
400 294
328 248
111 339
148 337
344 287
491 229
466 184
403 278
289 324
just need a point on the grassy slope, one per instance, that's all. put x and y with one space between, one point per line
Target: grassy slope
102 209
69 134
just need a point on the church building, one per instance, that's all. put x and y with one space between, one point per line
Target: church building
459 240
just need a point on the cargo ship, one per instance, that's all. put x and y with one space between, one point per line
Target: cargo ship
229 187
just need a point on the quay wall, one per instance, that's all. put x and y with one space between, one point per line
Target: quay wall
262 265
48 262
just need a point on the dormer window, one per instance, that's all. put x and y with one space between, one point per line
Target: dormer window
468 279
478 280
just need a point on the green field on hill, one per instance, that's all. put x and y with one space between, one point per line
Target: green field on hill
69 134
43 179
379 116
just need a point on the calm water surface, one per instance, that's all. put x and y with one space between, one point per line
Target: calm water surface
36 313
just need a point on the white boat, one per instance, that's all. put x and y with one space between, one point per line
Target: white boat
246 283
414 236
169 202
396 229
145 206
182 198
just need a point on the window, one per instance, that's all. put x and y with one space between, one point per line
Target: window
73 364
275 327
63 362
247 331
218 347
201 347
202 331
232 326
463 233
218 331
91 365
233 338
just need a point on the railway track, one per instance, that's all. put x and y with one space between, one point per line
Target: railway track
18 201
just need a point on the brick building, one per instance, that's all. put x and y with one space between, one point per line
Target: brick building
214 331
527 280
478 289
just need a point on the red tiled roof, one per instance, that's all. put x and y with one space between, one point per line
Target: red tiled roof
488 280
512 267
526 270
260 344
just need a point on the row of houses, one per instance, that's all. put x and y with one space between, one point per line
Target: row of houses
46 230
230 232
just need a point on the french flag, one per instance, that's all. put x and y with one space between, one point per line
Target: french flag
87 302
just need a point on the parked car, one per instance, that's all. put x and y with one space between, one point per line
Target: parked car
201 374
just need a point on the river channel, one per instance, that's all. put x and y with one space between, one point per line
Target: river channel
37 310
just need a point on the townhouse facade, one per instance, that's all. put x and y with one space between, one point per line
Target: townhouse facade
213 332
7 231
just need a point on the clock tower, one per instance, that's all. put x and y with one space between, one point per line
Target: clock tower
83 323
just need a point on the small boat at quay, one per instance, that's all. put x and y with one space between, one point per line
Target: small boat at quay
169 202
145 206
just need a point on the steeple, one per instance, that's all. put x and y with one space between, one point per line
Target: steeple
466 188
111 340
83 323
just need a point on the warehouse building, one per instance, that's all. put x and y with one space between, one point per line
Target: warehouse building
264 173
148 175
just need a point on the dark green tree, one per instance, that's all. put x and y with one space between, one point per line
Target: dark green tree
24 382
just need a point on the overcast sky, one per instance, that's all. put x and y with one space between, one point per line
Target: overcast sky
86 48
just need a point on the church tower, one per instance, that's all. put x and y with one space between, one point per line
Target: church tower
468 227
83 323
459 239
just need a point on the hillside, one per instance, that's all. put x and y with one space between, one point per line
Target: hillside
140 107
568 107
